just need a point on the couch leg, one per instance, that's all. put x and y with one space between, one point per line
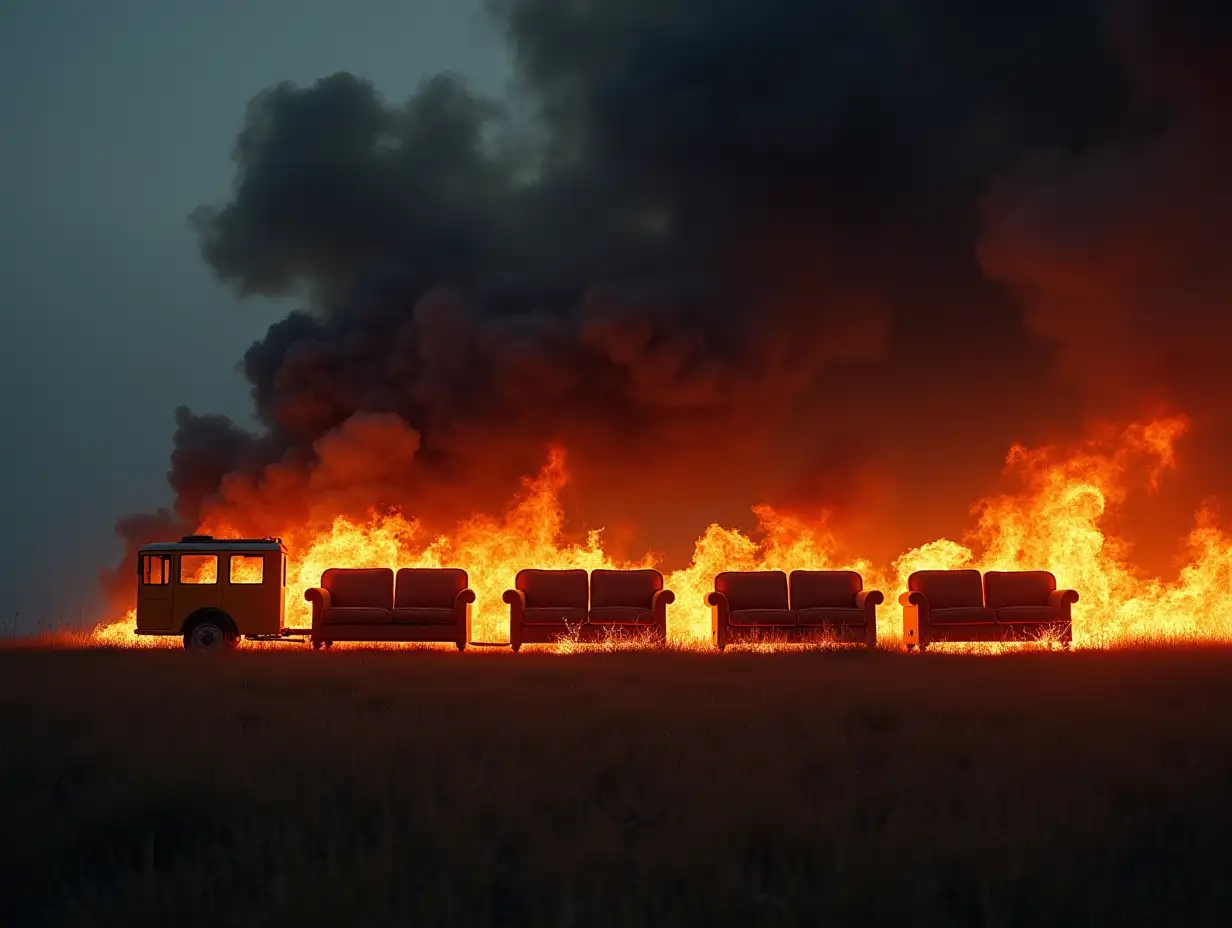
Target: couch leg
910 647
461 645
515 648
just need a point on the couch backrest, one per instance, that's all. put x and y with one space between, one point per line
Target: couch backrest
567 588
753 589
836 589
1018 588
948 589
428 587
360 586
624 587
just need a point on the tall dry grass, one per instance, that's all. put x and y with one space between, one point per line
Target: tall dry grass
640 788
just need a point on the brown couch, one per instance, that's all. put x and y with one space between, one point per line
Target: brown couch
836 603
366 604
747 605
548 604
959 605
627 601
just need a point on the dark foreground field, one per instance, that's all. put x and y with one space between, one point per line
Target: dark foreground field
367 788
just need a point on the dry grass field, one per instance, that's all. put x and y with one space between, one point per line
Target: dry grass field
646 789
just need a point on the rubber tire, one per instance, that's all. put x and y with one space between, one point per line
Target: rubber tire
209 635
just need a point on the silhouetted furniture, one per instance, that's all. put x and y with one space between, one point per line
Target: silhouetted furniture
627 601
747 605
836 603
545 605
1029 606
951 605
365 604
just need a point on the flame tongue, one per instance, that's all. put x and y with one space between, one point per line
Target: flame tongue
1052 523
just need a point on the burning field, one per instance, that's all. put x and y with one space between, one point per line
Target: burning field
645 309
1054 521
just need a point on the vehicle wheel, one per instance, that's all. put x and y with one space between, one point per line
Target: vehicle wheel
207 635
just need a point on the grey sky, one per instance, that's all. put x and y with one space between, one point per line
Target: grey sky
118 118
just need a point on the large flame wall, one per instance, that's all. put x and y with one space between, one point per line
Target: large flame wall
1052 521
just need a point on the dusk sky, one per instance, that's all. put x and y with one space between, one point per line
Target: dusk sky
119 119
833 258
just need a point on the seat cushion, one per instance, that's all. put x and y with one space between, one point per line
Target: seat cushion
754 589
830 588
553 615
554 588
761 617
823 616
428 587
1018 588
1035 614
354 615
624 587
421 615
366 586
948 589
620 615
962 615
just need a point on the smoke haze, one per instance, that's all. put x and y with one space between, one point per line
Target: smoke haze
824 255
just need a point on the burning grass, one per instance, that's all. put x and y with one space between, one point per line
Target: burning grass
1054 520
371 788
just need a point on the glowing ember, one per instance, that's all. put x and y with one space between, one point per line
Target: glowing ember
1053 522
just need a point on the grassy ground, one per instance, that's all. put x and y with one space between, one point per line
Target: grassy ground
643 789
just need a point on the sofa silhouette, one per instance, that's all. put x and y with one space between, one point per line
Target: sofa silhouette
546 605
960 605
370 604
747 605
836 603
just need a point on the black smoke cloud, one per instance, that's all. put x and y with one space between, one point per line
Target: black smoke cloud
752 242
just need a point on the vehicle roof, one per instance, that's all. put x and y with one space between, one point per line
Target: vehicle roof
217 545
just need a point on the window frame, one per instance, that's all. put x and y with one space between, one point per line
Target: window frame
179 574
247 555
143 568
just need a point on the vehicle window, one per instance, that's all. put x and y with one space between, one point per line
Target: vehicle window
156 569
247 568
198 568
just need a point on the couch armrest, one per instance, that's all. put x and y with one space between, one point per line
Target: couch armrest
1060 601
517 603
321 600
462 617
869 600
720 618
658 610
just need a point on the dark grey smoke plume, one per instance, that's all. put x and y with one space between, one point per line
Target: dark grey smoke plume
731 256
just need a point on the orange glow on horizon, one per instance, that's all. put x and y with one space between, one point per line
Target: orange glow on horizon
1053 521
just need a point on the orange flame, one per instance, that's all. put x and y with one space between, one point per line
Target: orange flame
1052 522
